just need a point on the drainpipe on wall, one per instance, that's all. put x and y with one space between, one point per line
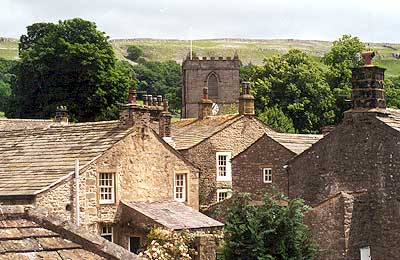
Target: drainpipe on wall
77 209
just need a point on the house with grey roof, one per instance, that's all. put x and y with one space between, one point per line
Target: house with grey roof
212 142
351 177
260 168
85 172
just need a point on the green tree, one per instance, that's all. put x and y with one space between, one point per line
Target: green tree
295 84
267 231
70 63
6 79
274 117
134 52
161 78
392 90
343 55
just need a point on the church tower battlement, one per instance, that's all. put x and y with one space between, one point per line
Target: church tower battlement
219 75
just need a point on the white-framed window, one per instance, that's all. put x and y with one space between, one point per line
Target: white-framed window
180 187
223 194
106 187
223 166
267 175
107 232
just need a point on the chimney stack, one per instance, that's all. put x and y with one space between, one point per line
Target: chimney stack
205 105
133 114
165 125
246 100
61 115
368 89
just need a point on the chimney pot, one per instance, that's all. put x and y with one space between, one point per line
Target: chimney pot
368 56
61 115
246 100
205 93
159 100
205 105
132 96
166 107
149 100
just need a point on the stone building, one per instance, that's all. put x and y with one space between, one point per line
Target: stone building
261 167
28 233
351 178
211 141
92 173
219 75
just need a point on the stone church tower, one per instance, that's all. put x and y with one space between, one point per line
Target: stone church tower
221 78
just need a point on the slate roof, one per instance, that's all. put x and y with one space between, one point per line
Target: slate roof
33 159
296 143
27 234
15 124
393 118
187 133
174 215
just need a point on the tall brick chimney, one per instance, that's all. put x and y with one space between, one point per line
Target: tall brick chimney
246 100
368 89
205 105
61 115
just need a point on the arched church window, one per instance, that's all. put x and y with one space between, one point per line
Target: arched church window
212 84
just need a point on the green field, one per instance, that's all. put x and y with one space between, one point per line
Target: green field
253 51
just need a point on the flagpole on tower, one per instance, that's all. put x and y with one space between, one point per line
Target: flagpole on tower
191 48
191 42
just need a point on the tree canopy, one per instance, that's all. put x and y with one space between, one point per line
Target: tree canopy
294 85
70 63
6 79
161 78
134 52
267 231
343 55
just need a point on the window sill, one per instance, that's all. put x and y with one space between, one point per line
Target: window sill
224 179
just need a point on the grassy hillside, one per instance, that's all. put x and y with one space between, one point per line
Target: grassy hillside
253 51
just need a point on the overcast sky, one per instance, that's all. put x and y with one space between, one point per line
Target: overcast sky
371 20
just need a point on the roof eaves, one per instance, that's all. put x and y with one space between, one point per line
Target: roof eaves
233 120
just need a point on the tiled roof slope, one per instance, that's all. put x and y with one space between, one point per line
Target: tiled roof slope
296 143
31 160
174 215
16 124
186 133
393 118
28 233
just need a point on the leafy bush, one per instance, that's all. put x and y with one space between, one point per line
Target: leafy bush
168 245
270 231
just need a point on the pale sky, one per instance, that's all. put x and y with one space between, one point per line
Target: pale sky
370 20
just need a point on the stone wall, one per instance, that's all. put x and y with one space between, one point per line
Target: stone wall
144 169
347 222
195 75
247 168
244 132
360 154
